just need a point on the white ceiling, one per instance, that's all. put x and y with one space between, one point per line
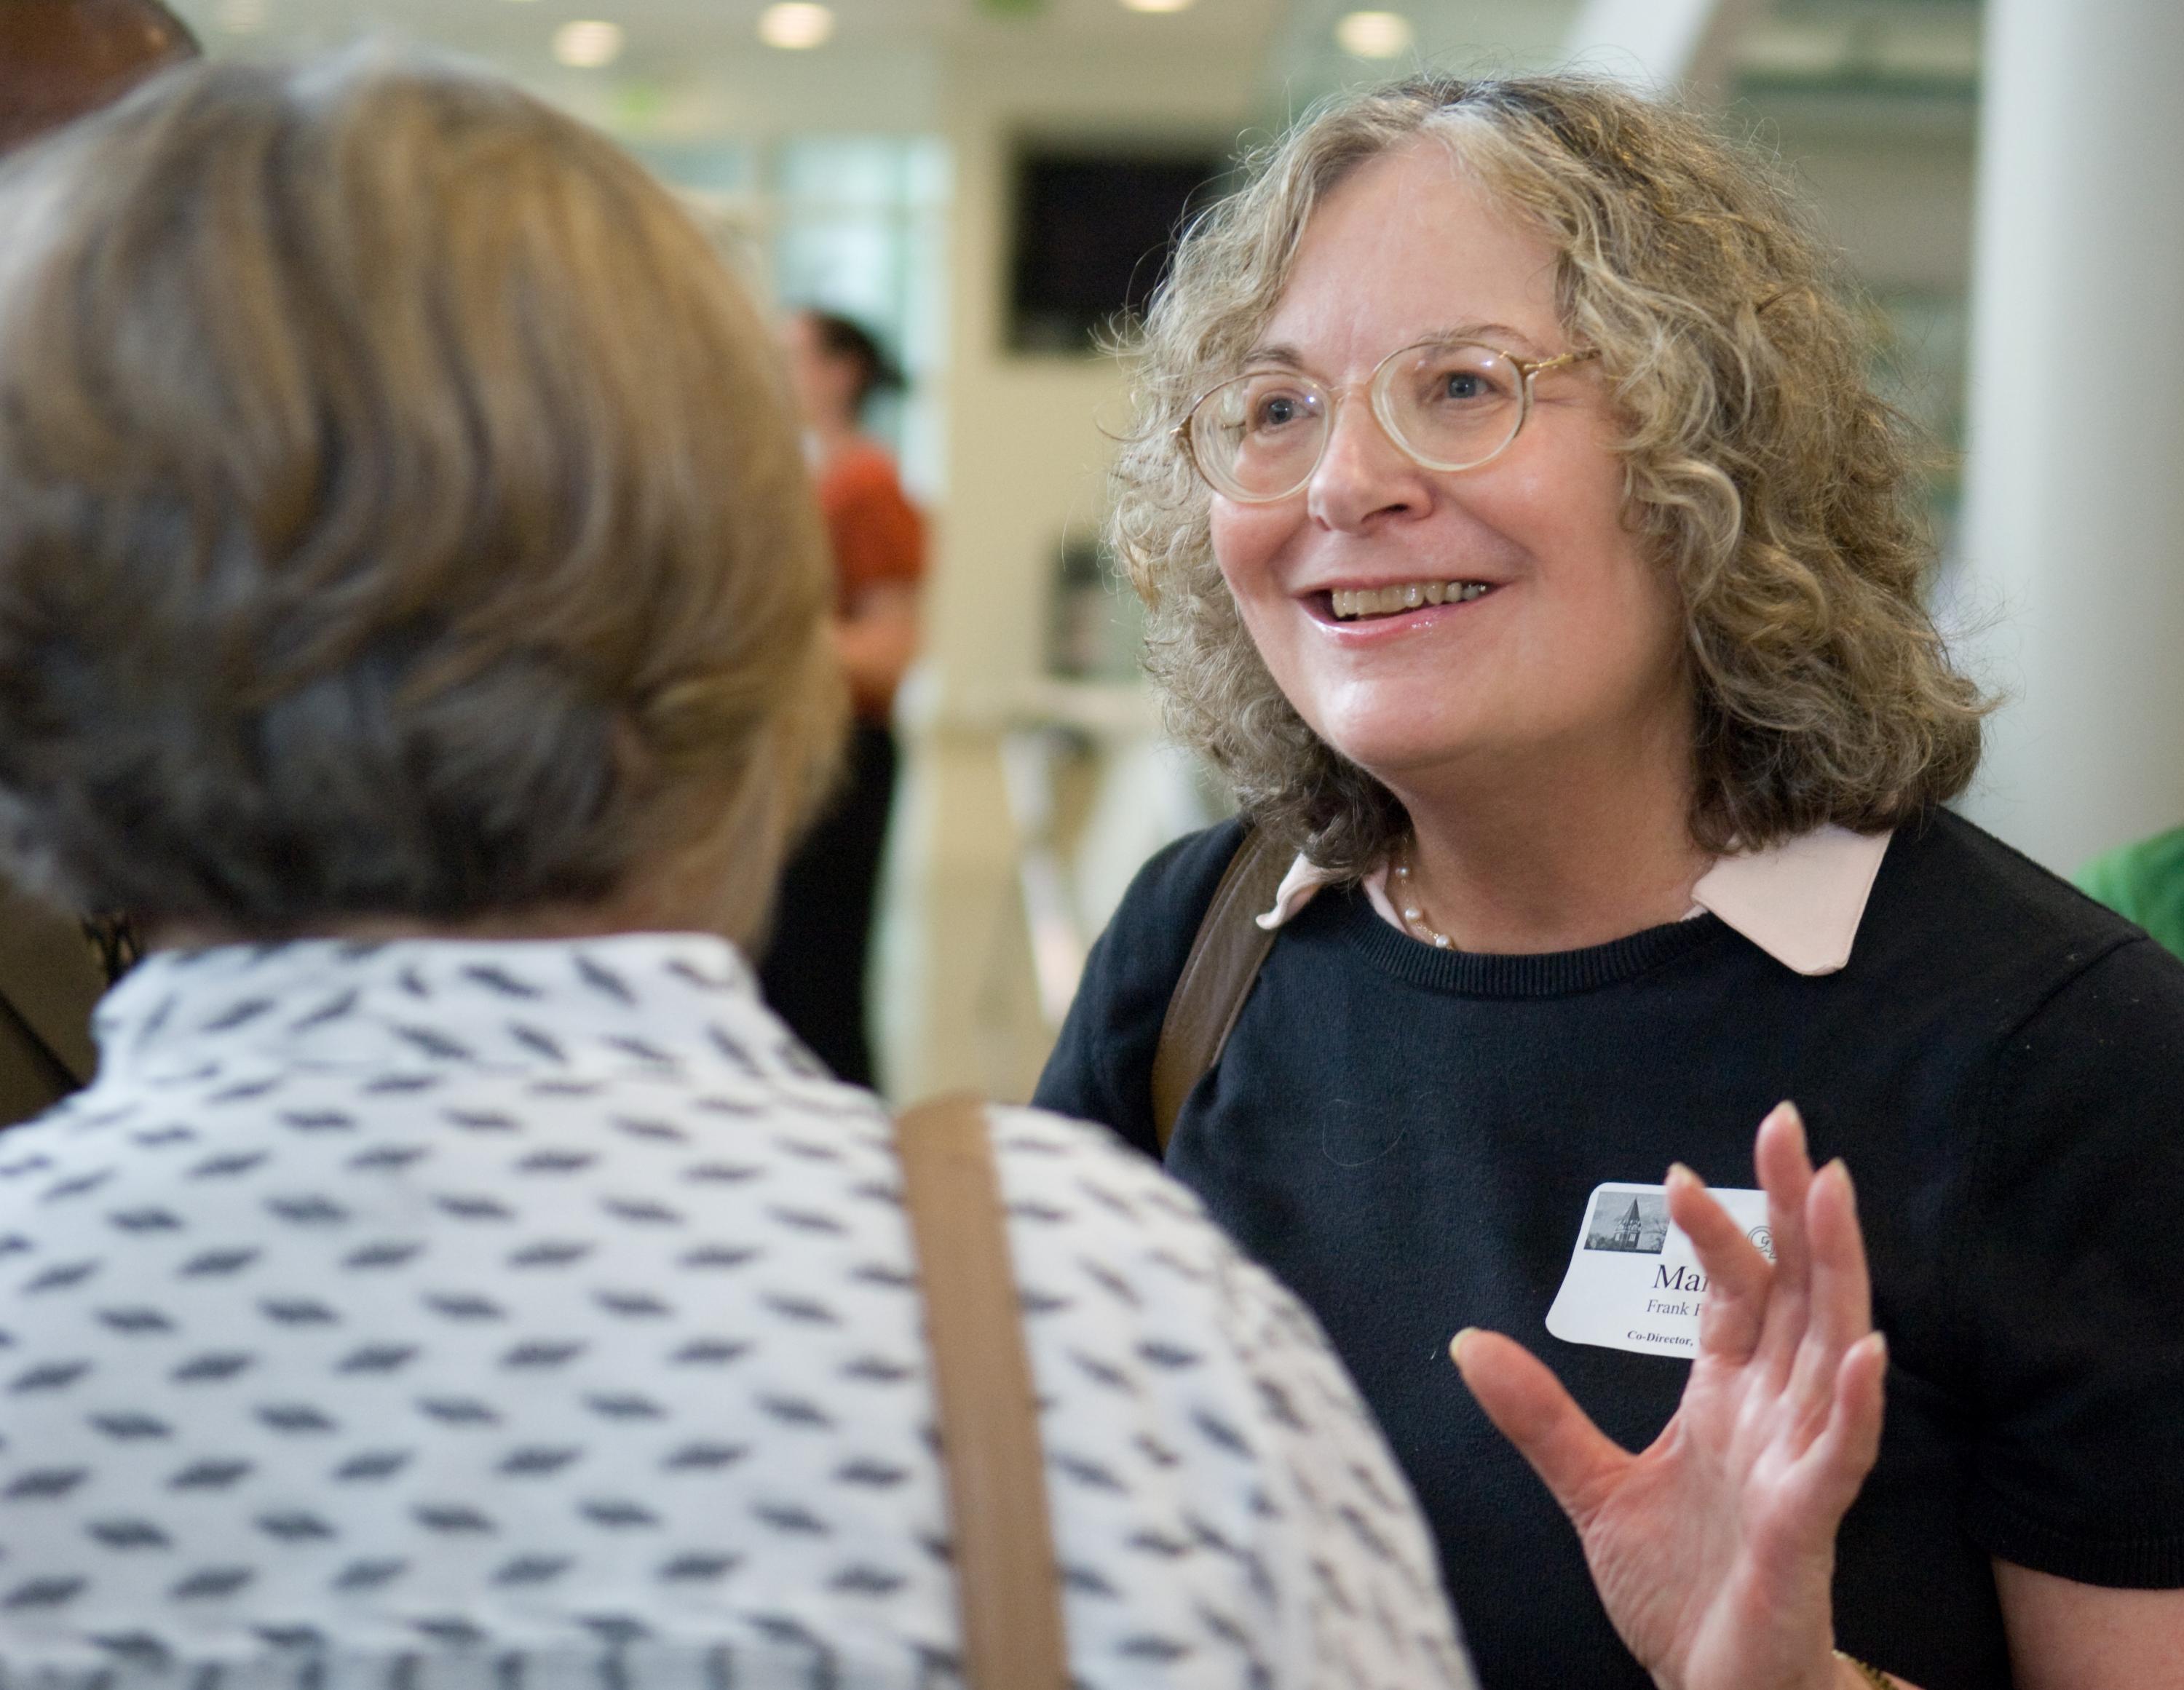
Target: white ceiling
1820 44
671 31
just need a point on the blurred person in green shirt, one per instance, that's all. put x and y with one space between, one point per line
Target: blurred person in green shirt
2144 883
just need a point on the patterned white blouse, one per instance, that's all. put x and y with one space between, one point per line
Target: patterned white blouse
534 1316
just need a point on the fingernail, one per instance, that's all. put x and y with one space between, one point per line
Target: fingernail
1456 1345
1677 1168
1840 1170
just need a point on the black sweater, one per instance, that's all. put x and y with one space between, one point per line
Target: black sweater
1409 1137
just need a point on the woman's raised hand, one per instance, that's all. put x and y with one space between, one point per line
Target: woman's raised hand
1713 1550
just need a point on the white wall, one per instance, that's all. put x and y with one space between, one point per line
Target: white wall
1027 460
1892 181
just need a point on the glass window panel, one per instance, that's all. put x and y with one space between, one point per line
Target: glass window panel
859 226
844 170
710 167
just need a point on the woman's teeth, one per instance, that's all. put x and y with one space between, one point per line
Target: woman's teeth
1385 601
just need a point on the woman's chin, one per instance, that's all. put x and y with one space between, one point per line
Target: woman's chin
1399 752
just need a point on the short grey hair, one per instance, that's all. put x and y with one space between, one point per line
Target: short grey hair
400 514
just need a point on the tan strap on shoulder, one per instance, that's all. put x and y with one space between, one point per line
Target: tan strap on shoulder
1007 1581
1216 976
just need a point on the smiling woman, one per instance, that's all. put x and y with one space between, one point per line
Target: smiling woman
1565 642
1763 473
1522 539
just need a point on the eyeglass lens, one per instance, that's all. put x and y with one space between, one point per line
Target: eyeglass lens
1449 407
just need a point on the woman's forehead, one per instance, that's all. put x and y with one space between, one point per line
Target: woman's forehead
1411 245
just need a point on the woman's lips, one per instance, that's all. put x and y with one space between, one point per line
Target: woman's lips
1401 602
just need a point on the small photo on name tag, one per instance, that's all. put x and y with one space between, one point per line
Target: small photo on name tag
1634 1282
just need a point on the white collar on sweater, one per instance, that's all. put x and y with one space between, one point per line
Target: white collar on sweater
1801 901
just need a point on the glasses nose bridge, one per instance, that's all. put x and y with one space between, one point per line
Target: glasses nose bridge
1383 452
1362 391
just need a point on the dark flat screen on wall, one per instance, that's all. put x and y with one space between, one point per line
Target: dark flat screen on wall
1094 233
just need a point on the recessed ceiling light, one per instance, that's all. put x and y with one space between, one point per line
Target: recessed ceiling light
240 17
1375 34
1157 5
795 23
587 43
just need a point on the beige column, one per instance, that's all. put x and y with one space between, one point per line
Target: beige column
2075 496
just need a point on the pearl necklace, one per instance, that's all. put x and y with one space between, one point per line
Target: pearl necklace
1413 912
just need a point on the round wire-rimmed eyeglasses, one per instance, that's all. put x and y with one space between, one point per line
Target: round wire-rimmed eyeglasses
1447 405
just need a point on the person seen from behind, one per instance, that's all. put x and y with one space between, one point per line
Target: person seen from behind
413 606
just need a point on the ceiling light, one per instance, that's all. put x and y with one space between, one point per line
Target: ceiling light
1375 34
587 43
795 23
1157 5
240 17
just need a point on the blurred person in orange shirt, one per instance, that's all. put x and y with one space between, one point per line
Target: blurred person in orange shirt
815 966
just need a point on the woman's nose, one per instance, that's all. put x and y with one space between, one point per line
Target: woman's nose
1364 476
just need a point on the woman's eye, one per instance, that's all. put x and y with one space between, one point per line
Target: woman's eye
1464 385
1276 410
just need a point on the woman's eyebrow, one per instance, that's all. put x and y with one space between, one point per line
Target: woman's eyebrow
1499 335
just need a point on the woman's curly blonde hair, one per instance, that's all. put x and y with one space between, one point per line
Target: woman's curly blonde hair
1759 466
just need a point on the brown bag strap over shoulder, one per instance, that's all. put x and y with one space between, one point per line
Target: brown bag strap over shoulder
1216 976
1007 1583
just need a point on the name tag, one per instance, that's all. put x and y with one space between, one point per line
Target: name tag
1635 1281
